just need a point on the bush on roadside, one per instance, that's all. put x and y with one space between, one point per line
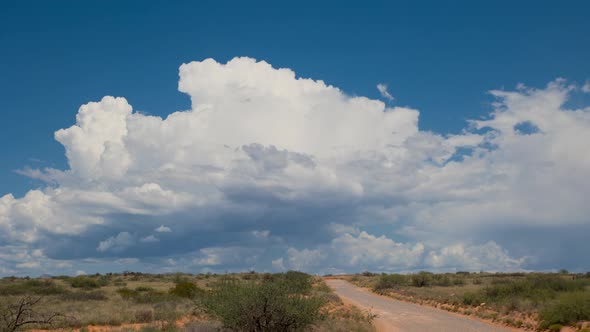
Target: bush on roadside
422 279
391 281
276 304
568 309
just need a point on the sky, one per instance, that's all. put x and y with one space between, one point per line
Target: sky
325 137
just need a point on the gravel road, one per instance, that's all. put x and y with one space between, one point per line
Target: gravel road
394 315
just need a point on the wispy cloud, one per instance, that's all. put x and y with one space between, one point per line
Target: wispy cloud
383 91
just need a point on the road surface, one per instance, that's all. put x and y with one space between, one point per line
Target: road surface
398 316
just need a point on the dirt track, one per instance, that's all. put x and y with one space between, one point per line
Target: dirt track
400 316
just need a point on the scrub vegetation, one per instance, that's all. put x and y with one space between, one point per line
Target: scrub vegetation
533 301
291 301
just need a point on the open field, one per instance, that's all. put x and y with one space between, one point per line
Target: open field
290 301
532 301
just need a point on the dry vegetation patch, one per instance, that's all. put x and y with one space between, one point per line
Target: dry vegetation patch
532 301
250 301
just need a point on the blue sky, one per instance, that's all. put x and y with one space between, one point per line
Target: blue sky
439 59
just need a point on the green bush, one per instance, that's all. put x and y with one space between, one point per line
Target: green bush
88 282
532 291
441 280
568 309
127 293
269 305
186 289
297 282
422 279
391 281
84 296
31 286
459 282
472 298
151 296
144 316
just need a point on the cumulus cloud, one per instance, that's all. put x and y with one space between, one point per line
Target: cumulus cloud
383 91
149 239
349 252
163 229
117 243
267 170
586 87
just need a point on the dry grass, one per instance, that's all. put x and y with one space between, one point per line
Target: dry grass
513 299
151 307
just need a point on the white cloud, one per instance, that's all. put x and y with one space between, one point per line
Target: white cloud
226 256
586 87
149 239
489 256
383 91
117 243
163 229
364 251
263 152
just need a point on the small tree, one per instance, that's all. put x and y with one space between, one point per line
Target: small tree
15 316
278 304
422 279
186 289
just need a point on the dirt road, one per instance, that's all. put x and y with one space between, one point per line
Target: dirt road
400 316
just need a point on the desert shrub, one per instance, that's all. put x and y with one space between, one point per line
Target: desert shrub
151 296
31 286
390 281
441 280
144 316
368 274
569 308
186 289
534 290
458 282
297 282
144 289
472 298
271 305
555 327
84 296
127 293
23 313
421 279
87 282
166 314
154 297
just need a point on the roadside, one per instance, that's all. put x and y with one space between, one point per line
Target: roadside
396 315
